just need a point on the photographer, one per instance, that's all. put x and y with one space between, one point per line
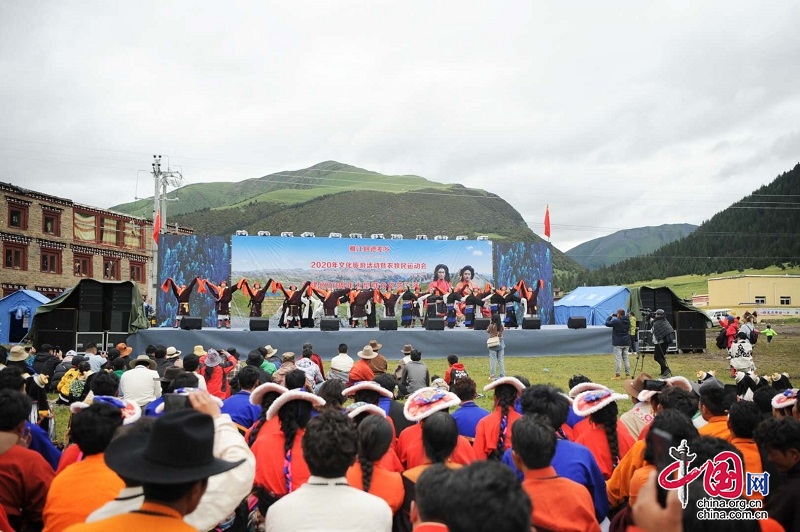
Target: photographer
621 341
663 335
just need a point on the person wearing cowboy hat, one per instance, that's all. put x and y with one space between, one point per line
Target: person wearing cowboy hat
141 383
361 370
406 352
642 412
379 364
174 463
124 349
165 357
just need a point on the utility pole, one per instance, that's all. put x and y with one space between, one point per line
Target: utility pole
161 180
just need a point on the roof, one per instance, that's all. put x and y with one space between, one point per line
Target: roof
775 276
590 296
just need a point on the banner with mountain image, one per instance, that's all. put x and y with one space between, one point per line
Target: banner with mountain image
334 263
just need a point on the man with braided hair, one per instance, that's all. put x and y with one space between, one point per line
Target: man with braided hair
326 501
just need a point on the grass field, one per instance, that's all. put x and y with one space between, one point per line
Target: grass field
783 354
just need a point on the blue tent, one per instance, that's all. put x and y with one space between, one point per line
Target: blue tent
595 303
16 311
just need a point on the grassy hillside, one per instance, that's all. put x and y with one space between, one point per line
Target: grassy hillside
286 187
627 243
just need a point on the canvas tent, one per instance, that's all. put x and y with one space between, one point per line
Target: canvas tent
16 314
595 303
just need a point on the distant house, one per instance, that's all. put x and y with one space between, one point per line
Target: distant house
769 295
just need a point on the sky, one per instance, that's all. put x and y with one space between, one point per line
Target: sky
617 114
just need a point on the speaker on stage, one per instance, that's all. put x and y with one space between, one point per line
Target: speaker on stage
434 324
259 324
576 322
481 324
387 324
531 323
329 324
191 323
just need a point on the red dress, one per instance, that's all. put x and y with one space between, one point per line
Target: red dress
487 432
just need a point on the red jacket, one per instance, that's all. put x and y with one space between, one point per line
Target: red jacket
448 374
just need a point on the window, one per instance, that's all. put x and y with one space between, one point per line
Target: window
786 300
761 300
51 261
18 216
111 269
137 272
15 256
51 223
82 265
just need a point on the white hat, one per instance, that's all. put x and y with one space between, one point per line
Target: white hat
785 399
130 410
257 395
426 401
513 381
367 385
677 381
367 353
591 401
357 408
585 386
293 395
172 352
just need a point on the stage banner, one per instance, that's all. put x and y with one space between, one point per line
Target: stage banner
528 261
182 257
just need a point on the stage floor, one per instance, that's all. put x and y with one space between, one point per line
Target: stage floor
549 340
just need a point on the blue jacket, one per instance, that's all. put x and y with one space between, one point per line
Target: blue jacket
239 408
621 334
467 418
575 462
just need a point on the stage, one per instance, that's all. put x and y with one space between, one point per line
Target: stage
549 340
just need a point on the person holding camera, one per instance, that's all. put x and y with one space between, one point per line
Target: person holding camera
620 341
663 336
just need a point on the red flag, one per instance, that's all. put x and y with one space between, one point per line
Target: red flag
156 227
547 222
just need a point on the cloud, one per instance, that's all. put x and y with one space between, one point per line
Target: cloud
617 117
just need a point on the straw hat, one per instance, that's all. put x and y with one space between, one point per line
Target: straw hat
141 360
270 351
172 352
17 354
198 350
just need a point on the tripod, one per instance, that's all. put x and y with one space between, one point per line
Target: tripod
639 356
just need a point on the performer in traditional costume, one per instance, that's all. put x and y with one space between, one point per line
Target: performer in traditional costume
389 301
222 294
256 295
182 294
408 299
292 305
496 300
360 306
473 301
530 297
511 299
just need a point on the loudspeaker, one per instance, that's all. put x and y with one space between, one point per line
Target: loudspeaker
531 323
191 323
691 338
576 322
57 320
329 324
121 296
689 320
259 324
119 320
90 296
63 339
434 324
481 324
387 324
89 321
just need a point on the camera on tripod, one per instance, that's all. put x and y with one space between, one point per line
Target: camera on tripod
646 313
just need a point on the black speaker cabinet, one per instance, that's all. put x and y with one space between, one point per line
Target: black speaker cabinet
387 324
531 323
119 320
690 320
259 324
58 320
576 322
481 324
691 338
434 324
329 324
191 323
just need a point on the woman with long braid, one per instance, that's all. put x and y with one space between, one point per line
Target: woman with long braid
279 473
264 396
607 439
374 439
493 432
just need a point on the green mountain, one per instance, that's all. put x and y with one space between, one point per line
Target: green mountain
756 232
335 197
627 243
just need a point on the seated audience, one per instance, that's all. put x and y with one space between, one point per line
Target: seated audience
493 432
